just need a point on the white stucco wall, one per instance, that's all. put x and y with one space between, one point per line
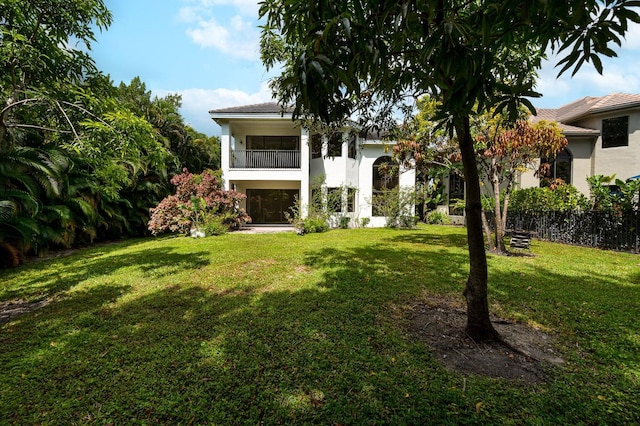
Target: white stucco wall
371 151
339 171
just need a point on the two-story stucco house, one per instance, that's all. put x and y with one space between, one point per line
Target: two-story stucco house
604 139
274 161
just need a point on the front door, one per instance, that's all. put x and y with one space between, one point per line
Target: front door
270 205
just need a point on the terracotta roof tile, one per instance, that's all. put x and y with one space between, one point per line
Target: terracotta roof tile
550 114
592 105
547 114
571 112
616 101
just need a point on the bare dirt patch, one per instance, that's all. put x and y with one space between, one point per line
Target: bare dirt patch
14 308
526 353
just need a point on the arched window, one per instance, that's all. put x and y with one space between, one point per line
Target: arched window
383 175
384 178
560 167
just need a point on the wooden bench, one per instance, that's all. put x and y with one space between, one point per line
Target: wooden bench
521 239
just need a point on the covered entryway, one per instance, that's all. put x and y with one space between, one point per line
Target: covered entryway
270 205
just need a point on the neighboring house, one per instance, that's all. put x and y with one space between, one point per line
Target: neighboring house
604 139
274 161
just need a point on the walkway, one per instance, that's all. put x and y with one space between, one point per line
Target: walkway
265 229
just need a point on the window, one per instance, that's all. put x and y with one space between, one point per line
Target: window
559 168
351 200
334 147
384 178
351 147
383 175
270 205
316 145
275 143
615 132
456 192
334 200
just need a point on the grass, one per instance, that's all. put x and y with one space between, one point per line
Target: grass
281 329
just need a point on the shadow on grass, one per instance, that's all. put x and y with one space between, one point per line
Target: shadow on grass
43 280
326 350
440 236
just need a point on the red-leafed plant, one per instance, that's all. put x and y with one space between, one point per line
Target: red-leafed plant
198 199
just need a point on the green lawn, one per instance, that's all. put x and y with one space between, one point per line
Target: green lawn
280 329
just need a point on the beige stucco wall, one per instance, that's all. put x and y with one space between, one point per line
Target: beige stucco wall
581 149
582 167
623 161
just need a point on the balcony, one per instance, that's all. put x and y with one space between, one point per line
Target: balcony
265 159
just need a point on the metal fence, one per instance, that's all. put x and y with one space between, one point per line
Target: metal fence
592 229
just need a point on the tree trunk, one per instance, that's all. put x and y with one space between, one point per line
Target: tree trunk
505 205
487 232
499 228
479 326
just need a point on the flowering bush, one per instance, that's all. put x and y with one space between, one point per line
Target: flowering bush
197 197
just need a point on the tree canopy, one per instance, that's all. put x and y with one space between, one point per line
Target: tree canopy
341 57
81 160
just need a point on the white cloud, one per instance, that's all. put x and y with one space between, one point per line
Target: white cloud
238 38
206 9
614 79
188 14
632 39
196 103
618 76
223 25
246 7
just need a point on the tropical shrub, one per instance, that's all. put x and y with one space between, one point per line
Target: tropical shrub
561 198
364 222
312 225
396 206
343 222
318 211
614 195
317 219
197 196
216 224
436 217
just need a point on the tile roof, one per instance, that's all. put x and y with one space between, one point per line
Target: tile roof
571 112
549 114
264 108
593 105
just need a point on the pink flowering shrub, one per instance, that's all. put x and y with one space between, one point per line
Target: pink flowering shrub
177 212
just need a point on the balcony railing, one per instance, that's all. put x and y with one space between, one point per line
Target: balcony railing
265 159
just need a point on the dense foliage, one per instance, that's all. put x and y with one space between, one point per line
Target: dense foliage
81 160
614 195
560 198
396 206
503 151
199 200
317 216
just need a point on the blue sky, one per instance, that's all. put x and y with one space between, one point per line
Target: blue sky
207 50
